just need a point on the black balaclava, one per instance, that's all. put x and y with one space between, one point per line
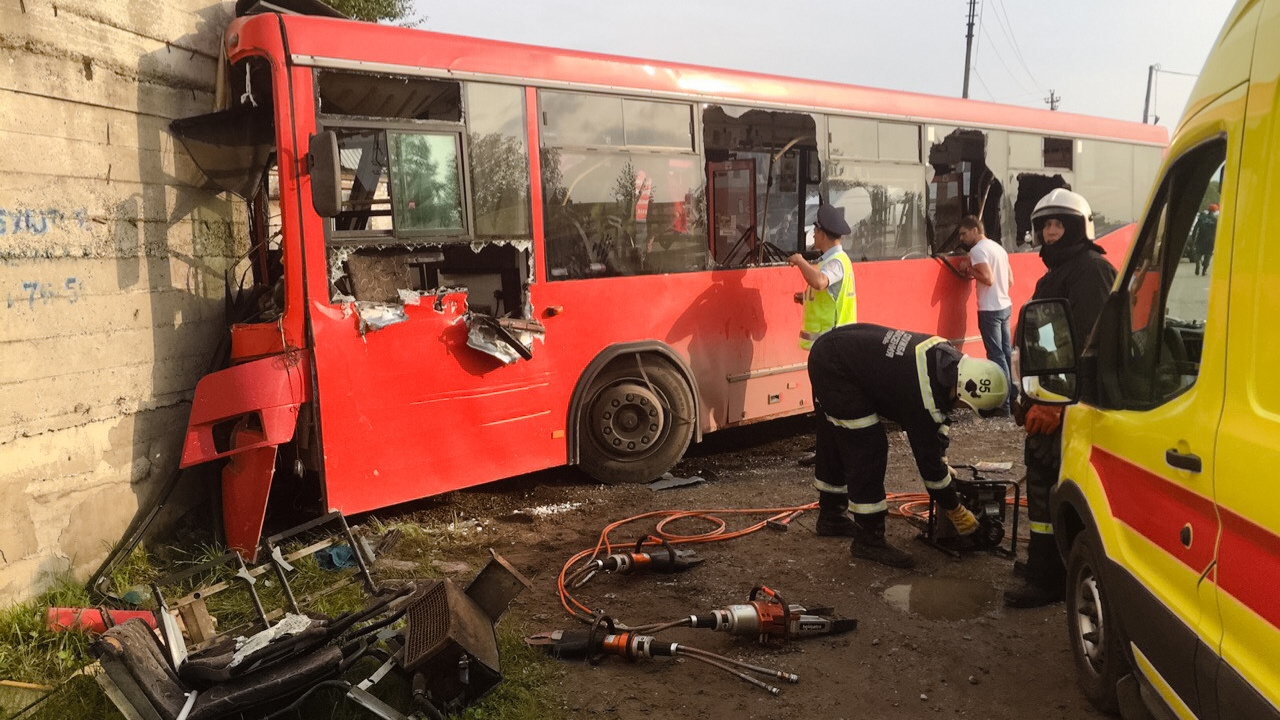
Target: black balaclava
1072 243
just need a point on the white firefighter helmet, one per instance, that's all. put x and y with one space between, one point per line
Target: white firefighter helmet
982 384
1062 201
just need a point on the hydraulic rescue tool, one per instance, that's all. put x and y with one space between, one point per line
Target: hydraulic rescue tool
771 620
661 558
604 639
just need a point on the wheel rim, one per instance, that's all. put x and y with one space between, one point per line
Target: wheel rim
628 420
1089 622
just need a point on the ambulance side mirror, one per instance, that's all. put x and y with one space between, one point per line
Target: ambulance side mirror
1045 362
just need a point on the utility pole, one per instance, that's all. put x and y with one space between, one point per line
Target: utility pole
968 47
1151 80
1052 100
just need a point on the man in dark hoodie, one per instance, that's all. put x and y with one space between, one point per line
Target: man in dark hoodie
1078 273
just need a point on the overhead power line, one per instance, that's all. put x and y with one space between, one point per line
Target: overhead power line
1013 40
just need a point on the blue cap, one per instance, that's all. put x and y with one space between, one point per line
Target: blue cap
831 220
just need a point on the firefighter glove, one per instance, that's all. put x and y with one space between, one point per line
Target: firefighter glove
1043 419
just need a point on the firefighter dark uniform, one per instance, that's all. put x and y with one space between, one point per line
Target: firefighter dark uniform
864 373
1078 273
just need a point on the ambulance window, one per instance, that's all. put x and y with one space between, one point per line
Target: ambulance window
1166 287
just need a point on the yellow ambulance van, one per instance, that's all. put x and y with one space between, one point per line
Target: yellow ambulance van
1167 509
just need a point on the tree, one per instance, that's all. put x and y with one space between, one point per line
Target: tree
372 10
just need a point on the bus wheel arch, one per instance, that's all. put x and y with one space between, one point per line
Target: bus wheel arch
633 413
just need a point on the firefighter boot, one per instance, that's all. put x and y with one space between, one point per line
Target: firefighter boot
869 543
833 515
1044 582
962 520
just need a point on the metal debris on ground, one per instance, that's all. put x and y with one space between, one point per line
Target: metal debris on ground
668 481
547 510
989 466
438 639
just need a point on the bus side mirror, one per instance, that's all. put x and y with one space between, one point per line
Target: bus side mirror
326 174
1046 356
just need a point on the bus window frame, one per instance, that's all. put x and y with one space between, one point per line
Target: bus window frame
395 236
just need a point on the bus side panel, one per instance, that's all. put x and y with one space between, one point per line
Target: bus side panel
722 323
409 411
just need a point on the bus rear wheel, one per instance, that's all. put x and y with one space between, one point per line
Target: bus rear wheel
635 425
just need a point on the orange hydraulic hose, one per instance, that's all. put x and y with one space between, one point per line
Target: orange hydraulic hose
719 531
907 505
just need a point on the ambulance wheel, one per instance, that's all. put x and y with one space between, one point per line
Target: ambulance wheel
1098 643
635 426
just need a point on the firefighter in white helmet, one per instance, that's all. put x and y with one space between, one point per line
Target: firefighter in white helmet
1078 273
862 373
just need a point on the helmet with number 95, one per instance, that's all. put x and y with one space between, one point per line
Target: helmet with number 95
982 384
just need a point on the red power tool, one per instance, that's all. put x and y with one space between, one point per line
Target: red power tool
772 620
657 558
604 638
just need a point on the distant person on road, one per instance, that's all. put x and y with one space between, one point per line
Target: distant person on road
1078 273
862 373
830 300
989 268
1202 237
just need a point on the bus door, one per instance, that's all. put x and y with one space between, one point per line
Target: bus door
733 210
425 341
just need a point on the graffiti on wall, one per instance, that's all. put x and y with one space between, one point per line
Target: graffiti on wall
34 291
17 221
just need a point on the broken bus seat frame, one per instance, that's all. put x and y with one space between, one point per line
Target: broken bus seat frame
447 648
192 608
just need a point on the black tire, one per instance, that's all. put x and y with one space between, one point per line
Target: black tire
1098 641
635 426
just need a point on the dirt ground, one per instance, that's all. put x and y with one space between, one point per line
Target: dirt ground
934 641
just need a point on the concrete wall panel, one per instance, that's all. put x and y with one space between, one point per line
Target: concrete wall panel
113 254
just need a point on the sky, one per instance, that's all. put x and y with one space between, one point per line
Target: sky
1093 55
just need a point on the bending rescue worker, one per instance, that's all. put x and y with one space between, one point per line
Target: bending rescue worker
862 373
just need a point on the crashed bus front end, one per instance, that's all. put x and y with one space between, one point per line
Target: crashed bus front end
349 297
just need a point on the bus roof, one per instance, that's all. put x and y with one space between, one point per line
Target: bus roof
353 45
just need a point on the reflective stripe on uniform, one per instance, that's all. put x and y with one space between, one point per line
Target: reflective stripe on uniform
823 487
857 423
1044 528
922 372
868 508
939 484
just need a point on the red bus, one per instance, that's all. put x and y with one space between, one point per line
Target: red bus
474 259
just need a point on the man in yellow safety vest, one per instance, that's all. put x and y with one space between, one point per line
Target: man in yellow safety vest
830 300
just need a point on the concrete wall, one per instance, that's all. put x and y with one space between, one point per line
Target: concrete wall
112 261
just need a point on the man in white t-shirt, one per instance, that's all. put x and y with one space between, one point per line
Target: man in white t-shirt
989 267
